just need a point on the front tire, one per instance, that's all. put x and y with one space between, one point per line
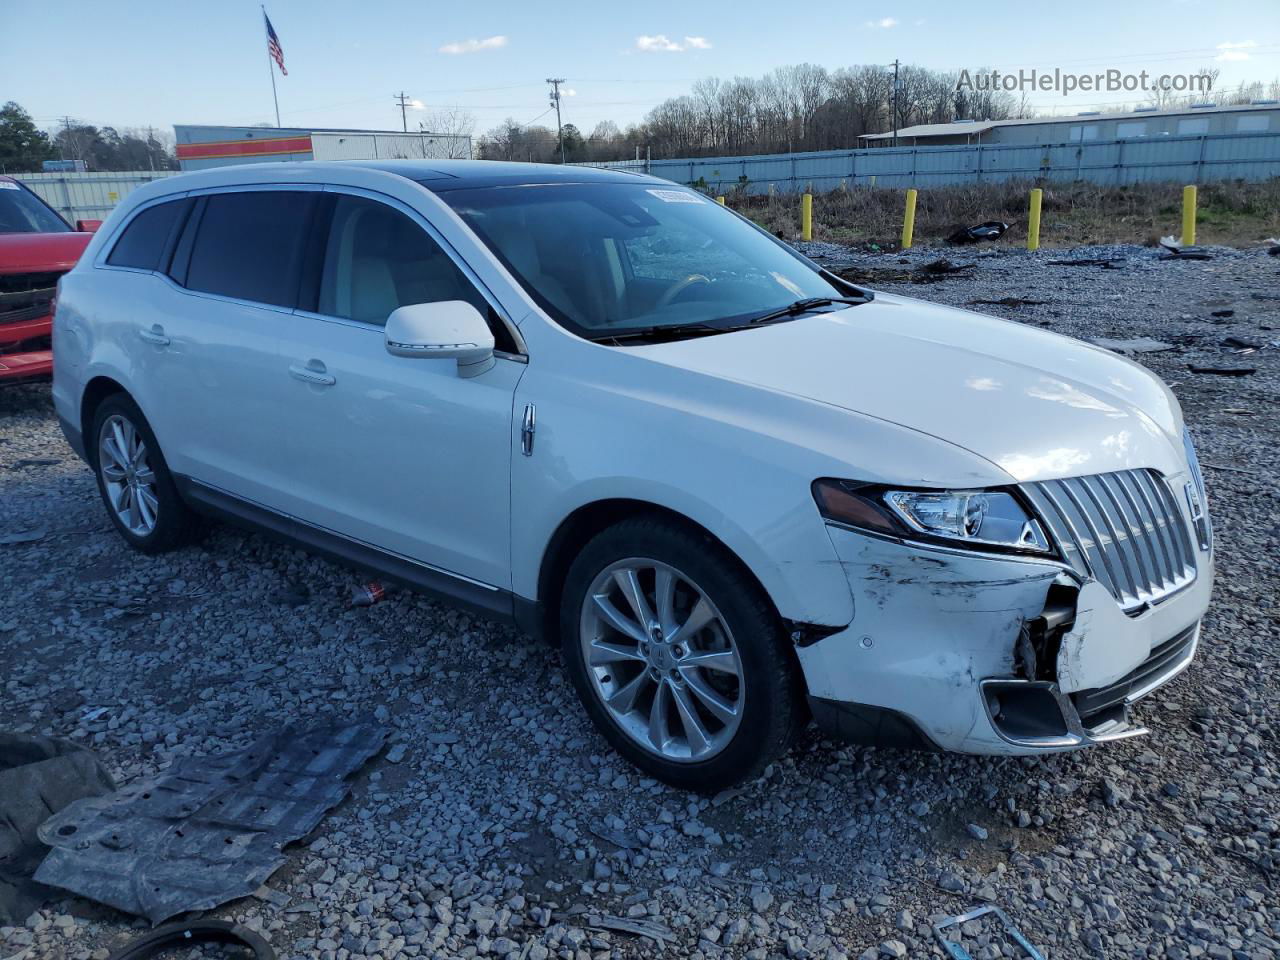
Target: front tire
678 655
134 480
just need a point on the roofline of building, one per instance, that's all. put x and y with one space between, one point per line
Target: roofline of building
962 125
352 130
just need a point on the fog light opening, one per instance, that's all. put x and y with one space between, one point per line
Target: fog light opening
1025 711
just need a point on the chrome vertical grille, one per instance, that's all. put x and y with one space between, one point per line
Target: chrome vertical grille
1124 529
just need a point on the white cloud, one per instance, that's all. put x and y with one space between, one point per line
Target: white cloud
475 46
657 44
661 43
884 23
1235 51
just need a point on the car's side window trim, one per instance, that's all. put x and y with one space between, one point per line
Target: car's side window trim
312 296
186 242
313 254
108 248
180 258
176 231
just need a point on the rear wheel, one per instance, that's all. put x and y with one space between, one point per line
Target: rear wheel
134 479
678 656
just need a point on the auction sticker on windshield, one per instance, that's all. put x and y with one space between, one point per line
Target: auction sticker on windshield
675 196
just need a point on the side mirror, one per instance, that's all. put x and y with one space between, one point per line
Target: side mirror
449 329
88 226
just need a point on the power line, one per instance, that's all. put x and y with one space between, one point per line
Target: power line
535 119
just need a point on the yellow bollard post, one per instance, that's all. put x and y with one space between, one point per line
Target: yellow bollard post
909 219
806 216
1033 220
720 200
1189 215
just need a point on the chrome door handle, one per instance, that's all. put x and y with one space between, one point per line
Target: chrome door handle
155 335
308 375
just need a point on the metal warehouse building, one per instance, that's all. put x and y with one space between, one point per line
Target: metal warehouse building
1261 116
201 147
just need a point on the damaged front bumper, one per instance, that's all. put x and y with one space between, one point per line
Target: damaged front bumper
978 653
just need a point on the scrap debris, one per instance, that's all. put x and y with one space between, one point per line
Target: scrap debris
38 775
989 230
1223 371
21 536
208 829
651 929
176 935
943 266
1131 346
1106 263
1009 302
1178 251
956 951
367 594
930 272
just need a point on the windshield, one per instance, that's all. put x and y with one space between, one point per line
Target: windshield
602 258
22 212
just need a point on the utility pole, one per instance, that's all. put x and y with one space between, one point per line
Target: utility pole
895 102
68 140
404 101
555 102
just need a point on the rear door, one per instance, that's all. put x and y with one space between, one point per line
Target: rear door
233 278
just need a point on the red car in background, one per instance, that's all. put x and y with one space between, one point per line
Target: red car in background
36 248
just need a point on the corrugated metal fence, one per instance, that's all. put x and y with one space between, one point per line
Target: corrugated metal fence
1248 156
1244 156
87 196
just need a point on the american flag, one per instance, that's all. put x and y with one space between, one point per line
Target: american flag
273 45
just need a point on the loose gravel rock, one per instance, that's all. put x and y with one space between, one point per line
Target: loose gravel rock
499 824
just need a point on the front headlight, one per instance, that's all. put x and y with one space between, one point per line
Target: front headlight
979 519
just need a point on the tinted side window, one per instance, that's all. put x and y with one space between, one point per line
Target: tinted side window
146 236
377 259
249 245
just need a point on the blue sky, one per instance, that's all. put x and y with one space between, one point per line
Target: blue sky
132 63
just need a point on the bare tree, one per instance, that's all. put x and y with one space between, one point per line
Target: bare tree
454 123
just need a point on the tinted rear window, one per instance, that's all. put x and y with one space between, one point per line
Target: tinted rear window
249 246
146 236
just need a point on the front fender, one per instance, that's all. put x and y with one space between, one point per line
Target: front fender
785 550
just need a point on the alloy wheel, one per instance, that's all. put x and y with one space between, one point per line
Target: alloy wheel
127 475
662 660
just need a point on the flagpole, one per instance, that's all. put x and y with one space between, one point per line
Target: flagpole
271 70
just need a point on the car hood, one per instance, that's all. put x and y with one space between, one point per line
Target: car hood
31 252
1036 404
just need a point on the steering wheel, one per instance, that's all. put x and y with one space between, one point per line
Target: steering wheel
679 287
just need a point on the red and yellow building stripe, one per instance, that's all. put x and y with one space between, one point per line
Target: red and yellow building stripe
251 147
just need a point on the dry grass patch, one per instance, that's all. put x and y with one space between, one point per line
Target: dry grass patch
1235 213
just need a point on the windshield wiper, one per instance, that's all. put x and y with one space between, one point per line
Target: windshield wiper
660 332
804 306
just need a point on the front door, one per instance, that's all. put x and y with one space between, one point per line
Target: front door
399 453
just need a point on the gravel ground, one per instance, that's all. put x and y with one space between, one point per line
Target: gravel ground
499 824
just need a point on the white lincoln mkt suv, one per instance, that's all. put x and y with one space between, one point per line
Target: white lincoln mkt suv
739 492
